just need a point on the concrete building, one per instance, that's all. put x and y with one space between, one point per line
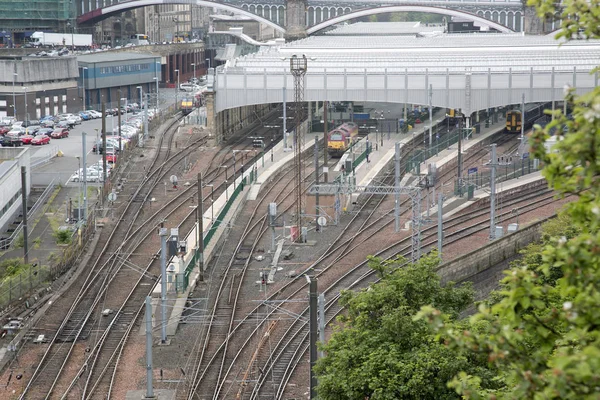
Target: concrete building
19 19
176 22
11 161
104 74
31 87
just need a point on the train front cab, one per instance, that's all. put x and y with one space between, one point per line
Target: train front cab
337 143
513 121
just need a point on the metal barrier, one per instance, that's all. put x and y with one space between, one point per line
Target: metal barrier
37 161
7 243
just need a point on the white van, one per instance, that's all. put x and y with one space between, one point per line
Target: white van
188 87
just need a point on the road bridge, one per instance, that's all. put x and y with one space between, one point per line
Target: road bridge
288 15
467 71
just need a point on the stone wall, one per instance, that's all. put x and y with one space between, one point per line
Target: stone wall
467 266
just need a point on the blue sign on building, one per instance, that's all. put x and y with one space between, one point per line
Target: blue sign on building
472 170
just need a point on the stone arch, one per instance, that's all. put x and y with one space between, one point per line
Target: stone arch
518 26
404 8
495 16
503 17
118 8
510 17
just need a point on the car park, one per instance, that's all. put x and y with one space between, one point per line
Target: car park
60 133
40 140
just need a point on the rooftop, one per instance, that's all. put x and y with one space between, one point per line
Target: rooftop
452 51
384 28
113 56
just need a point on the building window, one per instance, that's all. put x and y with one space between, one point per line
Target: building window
48 101
3 104
37 101
56 101
64 97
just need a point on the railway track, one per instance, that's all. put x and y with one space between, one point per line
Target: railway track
292 346
108 260
224 345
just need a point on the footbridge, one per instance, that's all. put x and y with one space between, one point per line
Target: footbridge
471 71
283 15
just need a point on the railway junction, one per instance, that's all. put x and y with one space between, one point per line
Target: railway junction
237 323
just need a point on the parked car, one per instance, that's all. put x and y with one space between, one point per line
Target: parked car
10 141
63 125
72 121
4 130
44 131
60 133
85 115
40 140
94 114
99 149
18 131
111 157
188 87
48 123
30 123
32 129
26 139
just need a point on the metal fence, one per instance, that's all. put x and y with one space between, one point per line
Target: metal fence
7 243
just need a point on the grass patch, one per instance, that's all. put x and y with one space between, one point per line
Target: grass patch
11 267
37 243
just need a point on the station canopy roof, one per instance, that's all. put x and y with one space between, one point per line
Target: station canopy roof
476 52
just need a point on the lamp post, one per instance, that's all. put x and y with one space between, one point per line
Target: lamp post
14 97
141 96
83 83
72 36
212 201
177 89
225 166
176 20
194 66
26 114
157 77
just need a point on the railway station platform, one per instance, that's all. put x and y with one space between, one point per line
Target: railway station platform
218 219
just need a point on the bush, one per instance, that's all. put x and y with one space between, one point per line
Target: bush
62 236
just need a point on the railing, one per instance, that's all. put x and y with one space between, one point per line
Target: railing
7 243
37 161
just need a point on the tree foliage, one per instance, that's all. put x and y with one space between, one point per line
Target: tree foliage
380 351
542 333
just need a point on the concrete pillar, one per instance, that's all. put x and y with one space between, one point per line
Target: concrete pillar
209 98
295 27
533 25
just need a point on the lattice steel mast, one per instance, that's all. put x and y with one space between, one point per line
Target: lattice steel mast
298 66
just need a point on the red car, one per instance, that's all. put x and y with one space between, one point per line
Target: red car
4 130
26 139
40 140
60 133
111 158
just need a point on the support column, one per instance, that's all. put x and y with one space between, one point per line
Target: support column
295 11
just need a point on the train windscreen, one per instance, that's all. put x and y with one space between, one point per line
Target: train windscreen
336 137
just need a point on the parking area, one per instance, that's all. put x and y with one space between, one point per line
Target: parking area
70 152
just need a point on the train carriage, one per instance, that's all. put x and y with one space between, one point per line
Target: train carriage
340 138
532 113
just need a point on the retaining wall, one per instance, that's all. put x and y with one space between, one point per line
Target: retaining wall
467 266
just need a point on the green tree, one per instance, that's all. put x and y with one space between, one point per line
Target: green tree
543 332
380 352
